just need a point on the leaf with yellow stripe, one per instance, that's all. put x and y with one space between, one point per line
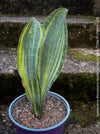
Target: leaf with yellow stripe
41 54
30 41
52 52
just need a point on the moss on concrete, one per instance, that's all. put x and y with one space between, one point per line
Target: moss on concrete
9 33
83 114
77 87
80 91
74 87
44 7
80 35
79 56
82 16
10 84
97 8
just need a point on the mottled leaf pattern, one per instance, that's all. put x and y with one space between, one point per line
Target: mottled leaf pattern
52 53
41 54
30 41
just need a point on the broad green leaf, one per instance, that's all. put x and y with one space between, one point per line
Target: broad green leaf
30 41
41 54
52 52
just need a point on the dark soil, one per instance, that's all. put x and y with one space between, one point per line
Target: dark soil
54 112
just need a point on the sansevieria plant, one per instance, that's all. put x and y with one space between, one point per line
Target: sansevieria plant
41 54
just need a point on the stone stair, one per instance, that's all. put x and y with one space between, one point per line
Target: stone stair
8 61
82 35
44 7
82 32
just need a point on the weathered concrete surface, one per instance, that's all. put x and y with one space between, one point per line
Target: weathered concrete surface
97 8
74 87
8 62
45 7
76 74
23 19
82 32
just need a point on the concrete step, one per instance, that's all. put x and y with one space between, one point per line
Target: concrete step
82 32
44 7
75 62
77 72
73 86
25 19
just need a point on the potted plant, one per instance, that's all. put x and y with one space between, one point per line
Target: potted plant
41 54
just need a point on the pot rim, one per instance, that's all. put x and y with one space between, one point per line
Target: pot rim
43 129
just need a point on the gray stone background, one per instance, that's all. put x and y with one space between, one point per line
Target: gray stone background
44 7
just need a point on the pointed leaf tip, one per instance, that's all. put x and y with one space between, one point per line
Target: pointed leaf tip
53 51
